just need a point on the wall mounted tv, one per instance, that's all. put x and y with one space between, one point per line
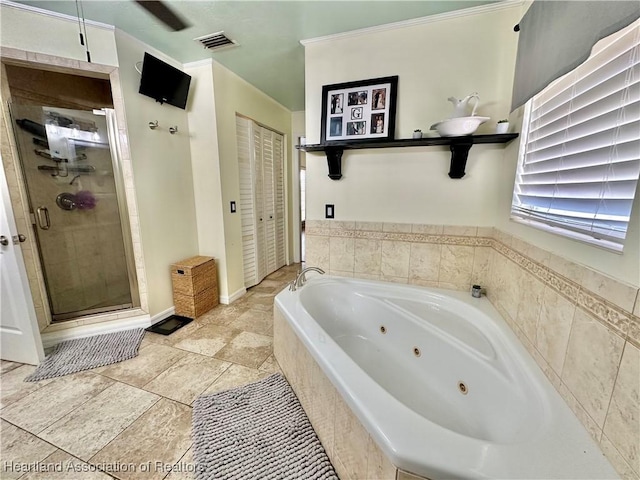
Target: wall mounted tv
164 83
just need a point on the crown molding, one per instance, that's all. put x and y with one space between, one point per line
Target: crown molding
198 63
49 13
493 7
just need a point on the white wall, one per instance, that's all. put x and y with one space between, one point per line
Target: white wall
298 161
454 56
162 175
297 120
218 95
234 95
206 169
36 32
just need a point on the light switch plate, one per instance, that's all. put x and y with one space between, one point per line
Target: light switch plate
233 207
329 211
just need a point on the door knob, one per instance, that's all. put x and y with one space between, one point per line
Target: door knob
4 241
20 238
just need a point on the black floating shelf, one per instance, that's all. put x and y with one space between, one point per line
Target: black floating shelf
459 146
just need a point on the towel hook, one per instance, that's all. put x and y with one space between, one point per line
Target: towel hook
153 125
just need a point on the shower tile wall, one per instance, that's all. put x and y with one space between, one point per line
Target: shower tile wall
581 327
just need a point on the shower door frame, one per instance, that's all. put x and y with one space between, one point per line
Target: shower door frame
120 189
124 185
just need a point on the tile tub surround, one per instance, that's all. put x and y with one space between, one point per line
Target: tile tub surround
351 450
429 255
581 327
583 330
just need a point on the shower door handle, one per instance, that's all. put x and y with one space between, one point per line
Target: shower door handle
43 213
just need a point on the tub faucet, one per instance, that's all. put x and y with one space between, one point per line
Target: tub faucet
302 277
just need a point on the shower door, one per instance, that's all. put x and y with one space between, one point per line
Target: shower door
76 197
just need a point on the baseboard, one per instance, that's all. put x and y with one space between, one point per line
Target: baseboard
233 297
49 339
162 315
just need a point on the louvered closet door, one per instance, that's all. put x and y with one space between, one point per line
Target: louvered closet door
269 200
258 157
244 137
278 178
262 202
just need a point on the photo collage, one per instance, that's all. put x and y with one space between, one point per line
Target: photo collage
360 112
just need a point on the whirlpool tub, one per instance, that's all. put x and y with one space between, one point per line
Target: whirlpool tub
438 380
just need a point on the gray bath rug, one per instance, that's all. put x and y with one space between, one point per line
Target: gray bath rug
90 352
258 431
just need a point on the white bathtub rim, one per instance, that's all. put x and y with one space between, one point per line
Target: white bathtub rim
453 455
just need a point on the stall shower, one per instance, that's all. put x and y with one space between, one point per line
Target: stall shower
76 198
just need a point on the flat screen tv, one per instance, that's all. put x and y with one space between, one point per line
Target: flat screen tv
164 83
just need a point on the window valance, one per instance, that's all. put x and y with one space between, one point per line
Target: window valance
557 36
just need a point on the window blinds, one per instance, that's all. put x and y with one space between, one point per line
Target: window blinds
580 158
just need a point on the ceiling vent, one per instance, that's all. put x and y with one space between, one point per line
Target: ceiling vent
216 41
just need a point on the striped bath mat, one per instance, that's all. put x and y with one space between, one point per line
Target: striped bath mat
258 431
85 353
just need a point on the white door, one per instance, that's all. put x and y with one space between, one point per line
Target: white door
247 207
269 201
19 334
260 165
278 187
258 202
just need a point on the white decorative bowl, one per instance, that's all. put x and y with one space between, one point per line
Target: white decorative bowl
454 127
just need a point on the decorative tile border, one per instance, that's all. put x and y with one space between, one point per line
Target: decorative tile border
633 334
467 241
610 315
562 285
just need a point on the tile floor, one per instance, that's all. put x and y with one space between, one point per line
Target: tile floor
132 420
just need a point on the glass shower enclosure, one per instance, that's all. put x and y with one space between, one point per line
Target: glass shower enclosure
76 198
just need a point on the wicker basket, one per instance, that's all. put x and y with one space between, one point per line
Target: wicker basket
193 307
195 286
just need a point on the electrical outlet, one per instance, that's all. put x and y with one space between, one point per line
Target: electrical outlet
329 211
233 207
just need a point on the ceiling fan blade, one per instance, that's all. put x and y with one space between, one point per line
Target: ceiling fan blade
163 13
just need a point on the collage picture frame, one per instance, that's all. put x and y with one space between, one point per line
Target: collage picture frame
359 110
